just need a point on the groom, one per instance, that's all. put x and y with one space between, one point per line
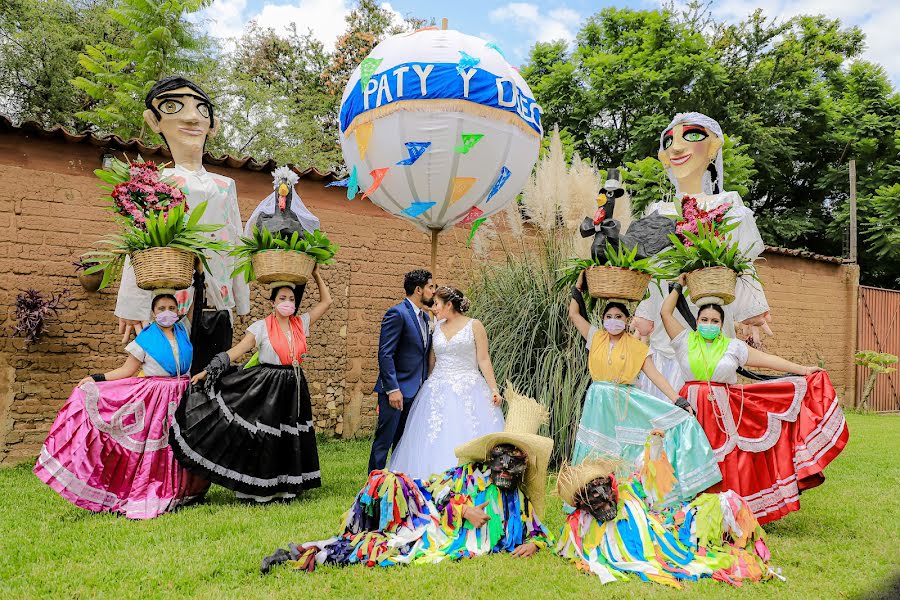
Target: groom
402 362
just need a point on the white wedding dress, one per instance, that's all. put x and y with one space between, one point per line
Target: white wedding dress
453 407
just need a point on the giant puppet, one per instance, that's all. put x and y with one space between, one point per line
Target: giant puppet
182 114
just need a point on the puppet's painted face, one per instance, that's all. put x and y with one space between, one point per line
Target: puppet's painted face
599 497
606 203
184 119
508 465
688 150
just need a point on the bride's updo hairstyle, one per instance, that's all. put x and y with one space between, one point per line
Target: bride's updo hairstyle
450 295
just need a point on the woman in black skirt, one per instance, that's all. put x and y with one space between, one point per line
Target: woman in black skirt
250 428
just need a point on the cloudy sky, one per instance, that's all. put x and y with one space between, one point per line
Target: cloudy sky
515 26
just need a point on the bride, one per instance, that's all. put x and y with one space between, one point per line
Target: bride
459 401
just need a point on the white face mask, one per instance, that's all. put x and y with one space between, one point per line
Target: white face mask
614 326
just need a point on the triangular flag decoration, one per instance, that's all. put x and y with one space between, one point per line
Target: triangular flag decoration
468 142
461 185
472 215
494 46
504 175
475 227
366 70
363 135
417 208
352 185
466 62
340 183
377 177
415 149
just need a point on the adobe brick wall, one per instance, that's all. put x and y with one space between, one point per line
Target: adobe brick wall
50 213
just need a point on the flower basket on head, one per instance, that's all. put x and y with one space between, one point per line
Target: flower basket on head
710 260
270 258
162 239
620 276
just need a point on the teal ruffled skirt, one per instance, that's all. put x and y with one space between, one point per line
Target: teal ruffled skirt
616 420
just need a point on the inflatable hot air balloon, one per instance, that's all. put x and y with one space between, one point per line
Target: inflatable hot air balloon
438 128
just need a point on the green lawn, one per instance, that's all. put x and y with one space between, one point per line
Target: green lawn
843 543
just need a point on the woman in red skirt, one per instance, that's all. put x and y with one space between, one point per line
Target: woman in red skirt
772 439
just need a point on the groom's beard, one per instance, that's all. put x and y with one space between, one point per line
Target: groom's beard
429 303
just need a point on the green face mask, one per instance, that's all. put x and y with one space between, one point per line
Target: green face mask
709 332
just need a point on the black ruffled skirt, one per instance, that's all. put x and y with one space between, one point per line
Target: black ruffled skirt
252 432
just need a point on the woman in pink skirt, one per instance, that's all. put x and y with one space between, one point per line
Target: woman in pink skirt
108 450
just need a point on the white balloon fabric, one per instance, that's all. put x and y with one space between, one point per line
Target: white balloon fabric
437 128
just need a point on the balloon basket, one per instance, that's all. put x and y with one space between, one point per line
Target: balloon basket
156 268
283 265
713 285
607 282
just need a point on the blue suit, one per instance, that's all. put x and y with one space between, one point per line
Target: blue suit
402 365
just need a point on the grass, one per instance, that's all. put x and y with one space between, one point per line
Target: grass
842 544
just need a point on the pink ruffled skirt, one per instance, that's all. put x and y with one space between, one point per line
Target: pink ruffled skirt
108 450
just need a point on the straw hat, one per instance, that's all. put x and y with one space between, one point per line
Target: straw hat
524 417
572 479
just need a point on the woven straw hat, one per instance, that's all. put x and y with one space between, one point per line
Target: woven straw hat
572 479
523 420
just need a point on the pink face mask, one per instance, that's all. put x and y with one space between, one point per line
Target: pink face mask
166 318
285 309
614 326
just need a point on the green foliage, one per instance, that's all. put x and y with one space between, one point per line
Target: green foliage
315 244
706 248
619 256
173 230
876 361
794 92
119 74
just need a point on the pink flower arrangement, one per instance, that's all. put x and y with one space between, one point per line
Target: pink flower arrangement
693 214
145 193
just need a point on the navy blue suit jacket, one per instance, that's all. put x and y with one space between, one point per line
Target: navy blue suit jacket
402 354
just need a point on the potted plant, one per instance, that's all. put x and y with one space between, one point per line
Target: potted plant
269 258
90 282
621 275
162 241
711 261
32 310
162 252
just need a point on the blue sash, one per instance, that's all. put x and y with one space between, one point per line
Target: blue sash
155 344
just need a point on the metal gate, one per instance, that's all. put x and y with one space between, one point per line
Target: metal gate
879 330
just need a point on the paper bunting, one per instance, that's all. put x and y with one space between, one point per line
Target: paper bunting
472 216
366 70
363 135
468 142
504 175
377 177
475 227
417 208
339 183
461 185
352 185
415 149
494 46
466 62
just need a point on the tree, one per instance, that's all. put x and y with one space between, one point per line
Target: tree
40 41
119 75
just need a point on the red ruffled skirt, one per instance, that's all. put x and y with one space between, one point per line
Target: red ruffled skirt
772 440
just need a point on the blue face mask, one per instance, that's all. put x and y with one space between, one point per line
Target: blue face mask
709 332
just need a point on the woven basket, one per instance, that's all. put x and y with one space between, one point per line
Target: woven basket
712 283
283 265
156 268
615 282
90 283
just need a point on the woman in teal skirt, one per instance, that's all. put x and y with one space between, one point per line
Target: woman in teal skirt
618 418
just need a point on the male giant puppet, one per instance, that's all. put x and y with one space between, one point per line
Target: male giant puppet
492 502
182 114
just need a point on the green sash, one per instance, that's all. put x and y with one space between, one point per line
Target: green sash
704 358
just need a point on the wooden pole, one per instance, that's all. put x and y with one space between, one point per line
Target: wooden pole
853 211
444 23
434 248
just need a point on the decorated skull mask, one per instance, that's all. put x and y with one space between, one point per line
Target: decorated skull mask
599 497
508 464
